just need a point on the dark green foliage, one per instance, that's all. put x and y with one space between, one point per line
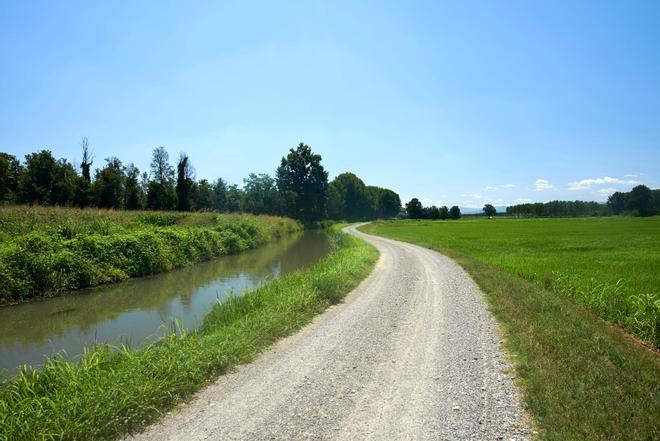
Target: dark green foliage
353 202
432 213
489 210
184 184
260 195
444 212
455 212
640 202
303 183
112 392
389 204
11 173
108 186
39 177
160 191
414 209
68 254
135 198
557 209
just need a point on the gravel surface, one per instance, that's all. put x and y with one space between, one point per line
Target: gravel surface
412 354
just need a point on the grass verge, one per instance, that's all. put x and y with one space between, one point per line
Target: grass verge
113 392
47 251
582 378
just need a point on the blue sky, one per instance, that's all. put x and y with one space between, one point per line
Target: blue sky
452 102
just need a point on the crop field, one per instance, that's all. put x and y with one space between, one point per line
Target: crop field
610 265
45 251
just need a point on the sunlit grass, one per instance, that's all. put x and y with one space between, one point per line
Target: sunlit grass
582 378
112 392
46 251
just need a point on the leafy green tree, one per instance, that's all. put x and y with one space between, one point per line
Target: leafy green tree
39 177
303 183
109 184
352 199
444 212
640 201
184 183
134 197
414 209
433 213
160 193
11 173
455 212
616 202
234 198
219 195
260 194
389 204
489 210
203 195
65 184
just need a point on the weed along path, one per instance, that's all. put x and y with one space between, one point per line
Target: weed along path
411 354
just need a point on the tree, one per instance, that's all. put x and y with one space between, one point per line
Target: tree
350 198
389 204
640 201
219 195
260 194
134 194
184 183
433 213
303 182
489 210
83 196
11 173
414 209
455 212
160 192
203 195
234 197
108 185
39 177
616 202
444 212
65 184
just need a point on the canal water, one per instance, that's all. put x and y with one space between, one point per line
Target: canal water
140 310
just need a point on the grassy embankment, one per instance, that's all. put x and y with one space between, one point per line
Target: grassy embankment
46 251
113 392
547 282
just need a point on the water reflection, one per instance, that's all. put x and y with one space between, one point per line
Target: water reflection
139 309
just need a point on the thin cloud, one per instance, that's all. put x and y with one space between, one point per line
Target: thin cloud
508 186
586 184
523 200
607 191
542 184
488 187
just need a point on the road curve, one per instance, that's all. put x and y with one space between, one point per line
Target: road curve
411 354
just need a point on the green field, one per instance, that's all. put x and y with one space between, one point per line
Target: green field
581 377
611 265
46 251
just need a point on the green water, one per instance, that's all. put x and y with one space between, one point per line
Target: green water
139 310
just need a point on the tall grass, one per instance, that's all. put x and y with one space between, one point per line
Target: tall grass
582 378
46 251
111 392
609 265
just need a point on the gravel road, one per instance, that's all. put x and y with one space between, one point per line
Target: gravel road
411 354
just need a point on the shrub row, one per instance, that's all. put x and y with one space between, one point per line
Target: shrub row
43 264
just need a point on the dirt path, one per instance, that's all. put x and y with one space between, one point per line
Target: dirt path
412 354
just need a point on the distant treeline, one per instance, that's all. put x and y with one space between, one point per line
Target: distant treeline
300 188
415 210
640 201
558 209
